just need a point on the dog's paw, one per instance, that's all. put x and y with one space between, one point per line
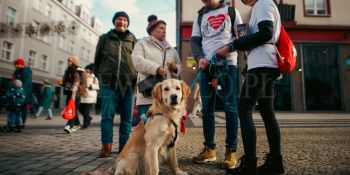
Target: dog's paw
180 172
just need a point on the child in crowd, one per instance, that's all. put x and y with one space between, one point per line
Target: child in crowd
14 101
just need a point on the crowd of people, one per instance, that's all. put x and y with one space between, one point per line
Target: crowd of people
121 62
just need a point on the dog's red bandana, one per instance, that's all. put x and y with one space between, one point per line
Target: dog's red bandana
182 122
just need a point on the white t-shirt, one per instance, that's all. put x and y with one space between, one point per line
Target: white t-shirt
216 32
264 55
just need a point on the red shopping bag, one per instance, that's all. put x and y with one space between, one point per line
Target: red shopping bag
69 111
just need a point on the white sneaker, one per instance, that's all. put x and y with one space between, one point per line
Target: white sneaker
67 129
75 128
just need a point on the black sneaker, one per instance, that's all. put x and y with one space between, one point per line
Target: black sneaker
272 165
246 167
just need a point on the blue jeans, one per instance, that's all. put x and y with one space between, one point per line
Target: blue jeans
141 109
228 95
111 100
14 118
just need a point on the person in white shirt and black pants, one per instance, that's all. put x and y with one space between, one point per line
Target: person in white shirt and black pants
258 87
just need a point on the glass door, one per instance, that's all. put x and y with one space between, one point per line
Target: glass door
321 78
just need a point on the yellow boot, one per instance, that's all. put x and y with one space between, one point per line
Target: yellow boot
207 155
230 161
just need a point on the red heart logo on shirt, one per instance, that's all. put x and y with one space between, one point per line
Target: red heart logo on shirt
216 21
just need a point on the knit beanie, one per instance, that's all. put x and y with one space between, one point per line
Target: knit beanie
20 62
153 22
119 14
47 82
74 60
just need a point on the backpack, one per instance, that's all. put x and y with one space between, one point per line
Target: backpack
286 53
231 12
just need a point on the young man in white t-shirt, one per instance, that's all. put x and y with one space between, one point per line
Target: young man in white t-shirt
213 28
258 86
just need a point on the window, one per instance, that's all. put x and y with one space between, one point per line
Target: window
61 42
88 54
11 16
32 58
64 18
82 54
60 67
6 52
317 7
71 5
71 47
43 62
36 4
48 10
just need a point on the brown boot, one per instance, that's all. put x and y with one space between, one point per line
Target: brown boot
105 151
121 146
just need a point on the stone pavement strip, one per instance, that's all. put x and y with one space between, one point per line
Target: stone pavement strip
43 148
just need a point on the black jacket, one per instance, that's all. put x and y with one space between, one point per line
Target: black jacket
113 63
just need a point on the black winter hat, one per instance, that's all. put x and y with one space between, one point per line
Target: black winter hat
119 14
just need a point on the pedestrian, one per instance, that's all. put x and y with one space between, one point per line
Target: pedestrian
73 79
258 86
153 55
24 73
35 105
14 101
117 76
90 97
213 29
45 99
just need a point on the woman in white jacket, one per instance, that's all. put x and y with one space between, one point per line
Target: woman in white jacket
148 57
90 96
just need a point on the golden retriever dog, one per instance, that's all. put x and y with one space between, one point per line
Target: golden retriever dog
154 143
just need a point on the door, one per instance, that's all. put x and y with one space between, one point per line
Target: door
321 78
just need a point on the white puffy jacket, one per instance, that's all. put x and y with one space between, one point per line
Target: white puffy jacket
91 92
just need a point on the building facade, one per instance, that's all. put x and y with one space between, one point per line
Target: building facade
320 30
48 32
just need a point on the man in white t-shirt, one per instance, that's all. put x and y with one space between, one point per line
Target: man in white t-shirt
213 28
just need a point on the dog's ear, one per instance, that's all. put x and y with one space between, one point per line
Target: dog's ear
186 91
157 92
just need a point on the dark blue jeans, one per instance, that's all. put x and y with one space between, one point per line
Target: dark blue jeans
141 109
113 99
228 95
258 87
14 118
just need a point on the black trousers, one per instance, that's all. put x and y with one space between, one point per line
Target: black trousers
258 87
84 109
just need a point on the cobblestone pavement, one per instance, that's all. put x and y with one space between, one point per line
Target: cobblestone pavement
43 148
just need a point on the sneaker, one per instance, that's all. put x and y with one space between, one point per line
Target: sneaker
34 116
272 165
48 118
75 128
207 155
230 161
67 129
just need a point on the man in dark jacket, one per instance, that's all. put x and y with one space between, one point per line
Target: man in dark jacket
117 76
24 74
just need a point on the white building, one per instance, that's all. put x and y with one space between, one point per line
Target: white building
47 50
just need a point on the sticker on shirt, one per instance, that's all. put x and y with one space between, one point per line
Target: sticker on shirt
214 26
